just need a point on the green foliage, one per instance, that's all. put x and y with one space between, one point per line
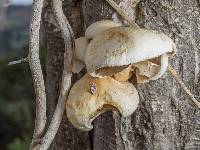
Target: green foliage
19 144
17 124
16 102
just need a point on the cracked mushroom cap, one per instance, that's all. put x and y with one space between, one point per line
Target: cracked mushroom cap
150 69
100 26
116 49
79 54
125 74
90 97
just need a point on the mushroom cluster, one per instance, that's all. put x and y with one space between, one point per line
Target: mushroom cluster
112 54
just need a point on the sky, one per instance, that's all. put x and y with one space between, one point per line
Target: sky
21 2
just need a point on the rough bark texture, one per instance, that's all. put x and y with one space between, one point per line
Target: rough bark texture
166 119
67 137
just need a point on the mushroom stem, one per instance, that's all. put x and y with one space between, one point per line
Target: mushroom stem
182 85
170 68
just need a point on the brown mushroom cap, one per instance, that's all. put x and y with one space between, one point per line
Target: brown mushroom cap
90 97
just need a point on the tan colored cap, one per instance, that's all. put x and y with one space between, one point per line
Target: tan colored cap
90 97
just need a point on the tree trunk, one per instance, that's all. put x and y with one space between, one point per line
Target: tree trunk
166 118
67 137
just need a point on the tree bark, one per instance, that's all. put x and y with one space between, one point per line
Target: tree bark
67 137
166 118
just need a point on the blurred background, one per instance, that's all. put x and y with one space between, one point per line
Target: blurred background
16 87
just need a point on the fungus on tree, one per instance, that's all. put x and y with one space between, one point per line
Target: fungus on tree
112 55
82 42
99 27
80 50
91 96
114 50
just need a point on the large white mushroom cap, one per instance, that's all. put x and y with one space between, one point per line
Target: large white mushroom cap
99 27
114 50
82 42
90 97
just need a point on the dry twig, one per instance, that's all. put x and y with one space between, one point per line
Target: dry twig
182 85
39 141
170 68
23 60
36 71
122 13
66 76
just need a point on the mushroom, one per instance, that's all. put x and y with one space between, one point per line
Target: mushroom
90 97
100 26
82 42
79 58
125 74
147 70
114 50
77 66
